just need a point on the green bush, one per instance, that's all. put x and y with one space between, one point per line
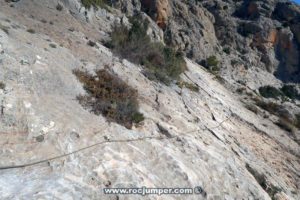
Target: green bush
110 96
212 64
137 117
96 3
270 92
291 91
161 63
212 61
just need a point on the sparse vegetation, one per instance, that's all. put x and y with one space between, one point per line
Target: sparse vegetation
110 96
220 79
291 91
270 92
242 82
161 63
190 86
40 138
286 120
91 43
234 62
263 182
59 7
96 3
212 61
226 50
289 123
297 120
271 107
2 85
252 108
32 31
4 28
137 117
285 124
212 64
52 45
241 90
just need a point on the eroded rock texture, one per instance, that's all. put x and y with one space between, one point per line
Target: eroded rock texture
269 28
261 34
160 10
53 148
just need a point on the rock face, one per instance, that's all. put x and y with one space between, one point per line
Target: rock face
288 43
260 34
53 148
269 26
163 13
191 30
160 10
187 26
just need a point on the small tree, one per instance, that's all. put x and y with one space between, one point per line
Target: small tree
212 63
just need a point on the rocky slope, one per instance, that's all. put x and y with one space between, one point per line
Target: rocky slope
257 33
53 148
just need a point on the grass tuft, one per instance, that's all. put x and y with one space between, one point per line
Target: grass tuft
191 86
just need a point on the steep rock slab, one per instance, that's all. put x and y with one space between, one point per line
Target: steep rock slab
213 142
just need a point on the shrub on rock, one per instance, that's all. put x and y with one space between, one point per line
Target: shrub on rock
291 91
96 3
270 92
110 96
161 63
